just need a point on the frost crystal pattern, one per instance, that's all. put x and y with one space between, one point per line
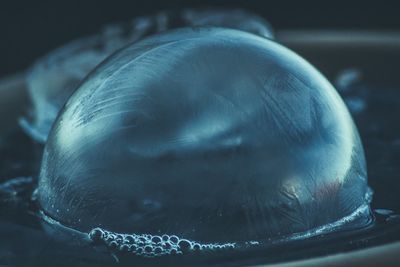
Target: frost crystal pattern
212 135
54 77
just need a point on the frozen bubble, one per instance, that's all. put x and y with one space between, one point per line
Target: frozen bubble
212 135
54 77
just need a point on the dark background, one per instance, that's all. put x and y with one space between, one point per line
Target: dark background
29 29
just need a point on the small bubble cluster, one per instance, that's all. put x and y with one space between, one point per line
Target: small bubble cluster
152 245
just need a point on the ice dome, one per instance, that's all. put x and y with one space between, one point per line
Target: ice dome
210 134
53 78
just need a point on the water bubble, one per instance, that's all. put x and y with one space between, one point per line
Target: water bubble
156 239
174 239
113 244
96 234
152 245
184 245
207 138
124 248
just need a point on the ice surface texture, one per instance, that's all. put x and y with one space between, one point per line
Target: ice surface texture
54 77
212 135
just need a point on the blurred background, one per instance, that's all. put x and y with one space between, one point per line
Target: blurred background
29 29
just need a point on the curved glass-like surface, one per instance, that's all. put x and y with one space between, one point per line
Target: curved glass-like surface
54 77
212 135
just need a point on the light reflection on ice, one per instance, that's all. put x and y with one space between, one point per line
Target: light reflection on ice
54 77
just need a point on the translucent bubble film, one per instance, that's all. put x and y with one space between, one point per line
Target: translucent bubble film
53 78
213 137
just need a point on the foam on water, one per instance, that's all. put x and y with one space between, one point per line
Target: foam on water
150 245
153 245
